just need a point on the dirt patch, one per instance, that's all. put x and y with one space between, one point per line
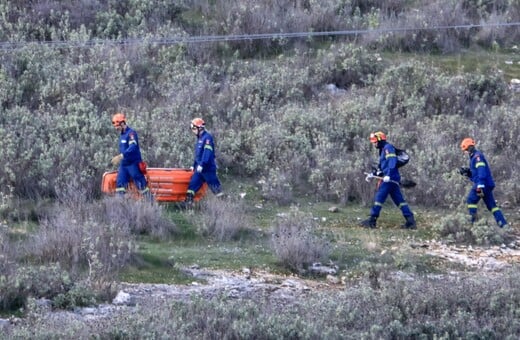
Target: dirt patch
493 258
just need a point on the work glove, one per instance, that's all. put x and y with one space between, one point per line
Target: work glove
386 179
199 168
465 171
192 168
369 176
480 190
116 159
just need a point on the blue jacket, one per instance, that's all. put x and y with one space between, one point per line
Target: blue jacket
205 152
480 172
129 147
388 161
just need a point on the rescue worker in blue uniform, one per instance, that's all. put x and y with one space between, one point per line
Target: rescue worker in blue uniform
204 165
389 185
483 184
128 159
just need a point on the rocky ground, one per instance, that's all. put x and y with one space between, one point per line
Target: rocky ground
247 283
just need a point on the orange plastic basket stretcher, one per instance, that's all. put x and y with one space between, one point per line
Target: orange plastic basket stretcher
166 184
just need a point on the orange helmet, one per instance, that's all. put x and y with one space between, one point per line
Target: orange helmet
466 143
377 136
197 123
118 118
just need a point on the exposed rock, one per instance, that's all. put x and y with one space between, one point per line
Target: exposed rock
4 323
123 298
335 91
319 269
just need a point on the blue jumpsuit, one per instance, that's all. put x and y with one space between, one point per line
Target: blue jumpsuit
481 175
388 165
205 157
129 166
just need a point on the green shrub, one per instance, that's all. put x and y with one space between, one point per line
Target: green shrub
348 64
457 228
79 295
32 281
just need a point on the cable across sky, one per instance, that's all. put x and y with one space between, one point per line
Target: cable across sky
8 45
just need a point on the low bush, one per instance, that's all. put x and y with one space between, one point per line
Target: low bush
458 228
222 219
295 243
137 216
17 286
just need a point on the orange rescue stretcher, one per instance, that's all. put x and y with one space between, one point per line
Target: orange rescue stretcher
166 184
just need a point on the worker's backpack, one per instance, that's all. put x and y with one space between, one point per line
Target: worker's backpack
402 157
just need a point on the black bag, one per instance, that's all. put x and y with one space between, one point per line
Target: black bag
402 157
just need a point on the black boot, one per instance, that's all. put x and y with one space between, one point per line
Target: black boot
410 223
187 204
473 218
369 222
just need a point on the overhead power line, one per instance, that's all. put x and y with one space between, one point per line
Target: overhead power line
7 45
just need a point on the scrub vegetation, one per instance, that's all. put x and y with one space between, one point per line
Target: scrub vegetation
291 118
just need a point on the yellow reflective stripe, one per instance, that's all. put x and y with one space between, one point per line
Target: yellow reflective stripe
480 164
495 209
208 147
402 204
472 206
120 189
377 203
191 192
132 142
388 155
145 190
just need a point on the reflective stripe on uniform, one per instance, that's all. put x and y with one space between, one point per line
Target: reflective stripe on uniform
480 164
472 206
389 155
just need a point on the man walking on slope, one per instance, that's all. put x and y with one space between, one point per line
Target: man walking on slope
483 183
389 184
204 164
128 159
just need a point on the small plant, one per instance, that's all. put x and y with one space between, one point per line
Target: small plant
295 243
457 228
139 216
221 218
80 295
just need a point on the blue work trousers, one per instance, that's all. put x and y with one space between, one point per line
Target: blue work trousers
489 201
127 172
394 191
199 178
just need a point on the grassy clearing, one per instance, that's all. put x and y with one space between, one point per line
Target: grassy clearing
469 61
354 250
